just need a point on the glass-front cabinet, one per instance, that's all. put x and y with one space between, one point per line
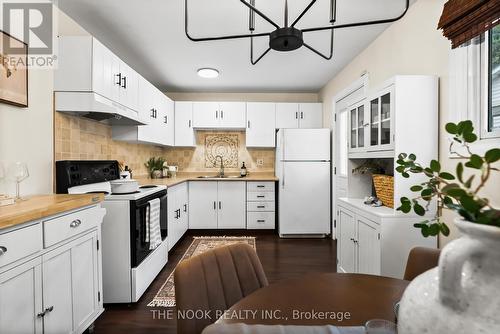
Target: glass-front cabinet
381 116
358 124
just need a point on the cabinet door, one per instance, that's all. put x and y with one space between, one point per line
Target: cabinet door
287 115
84 280
203 205
232 115
184 207
173 216
166 119
231 205
346 248
184 133
310 115
368 247
116 76
206 114
147 106
21 299
357 127
381 112
57 291
261 125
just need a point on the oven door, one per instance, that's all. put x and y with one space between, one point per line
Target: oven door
139 249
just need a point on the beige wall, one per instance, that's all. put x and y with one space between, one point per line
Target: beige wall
412 45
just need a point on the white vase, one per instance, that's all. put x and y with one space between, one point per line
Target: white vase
461 295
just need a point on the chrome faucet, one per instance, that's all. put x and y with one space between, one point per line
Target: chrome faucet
221 170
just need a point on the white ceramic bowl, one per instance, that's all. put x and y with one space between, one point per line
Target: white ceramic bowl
124 186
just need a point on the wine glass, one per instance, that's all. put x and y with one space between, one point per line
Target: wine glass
19 172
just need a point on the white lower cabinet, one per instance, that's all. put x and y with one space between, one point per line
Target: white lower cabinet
58 289
217 204
261 206
21 299
375 241
178 213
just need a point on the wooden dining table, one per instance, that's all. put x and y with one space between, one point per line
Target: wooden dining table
320 299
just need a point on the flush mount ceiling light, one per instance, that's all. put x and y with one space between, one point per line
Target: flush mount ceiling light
287 38
208 73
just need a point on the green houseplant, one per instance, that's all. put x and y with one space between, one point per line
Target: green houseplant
458 295
155 166
457 191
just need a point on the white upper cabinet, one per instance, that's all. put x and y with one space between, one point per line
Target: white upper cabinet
261 124
381 127
184 132
310 115
287 115
358 127
299 115
90 78
157 110
219 115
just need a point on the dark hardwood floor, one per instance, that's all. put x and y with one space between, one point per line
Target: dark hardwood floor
281 259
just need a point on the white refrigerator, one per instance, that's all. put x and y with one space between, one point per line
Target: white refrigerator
303 169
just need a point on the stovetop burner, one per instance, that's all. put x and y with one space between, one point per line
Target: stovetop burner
148 186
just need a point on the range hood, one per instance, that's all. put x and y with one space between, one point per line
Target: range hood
96 107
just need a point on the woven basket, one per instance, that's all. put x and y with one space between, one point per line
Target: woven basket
384 188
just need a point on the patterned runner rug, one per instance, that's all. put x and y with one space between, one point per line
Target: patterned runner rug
166 295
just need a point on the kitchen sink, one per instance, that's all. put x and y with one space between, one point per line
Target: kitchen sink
220 177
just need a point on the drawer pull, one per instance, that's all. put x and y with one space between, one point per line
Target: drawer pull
49 309
261 221
261 186
75 223
261 196
261 206
41 314
3 250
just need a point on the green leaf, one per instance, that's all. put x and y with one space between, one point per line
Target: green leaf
426 192
465 127
405 175
475 161
412 157
456 193
402 156
435 166
448 187
460 172
451 128
447 200
416 188
418 209
400 162
434 229
492 155
445 229
470 137
469 204
405 207
468 183
446 176
425 231
400 169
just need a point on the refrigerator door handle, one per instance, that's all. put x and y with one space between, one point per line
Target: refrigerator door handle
282 175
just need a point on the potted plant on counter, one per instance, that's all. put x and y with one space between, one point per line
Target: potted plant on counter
155 167
460 296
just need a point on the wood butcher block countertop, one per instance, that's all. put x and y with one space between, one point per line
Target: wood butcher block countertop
183 177
40 206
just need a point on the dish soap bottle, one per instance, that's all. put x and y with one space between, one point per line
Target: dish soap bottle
243 171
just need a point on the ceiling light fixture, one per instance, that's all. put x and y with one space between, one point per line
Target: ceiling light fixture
208 73
287 38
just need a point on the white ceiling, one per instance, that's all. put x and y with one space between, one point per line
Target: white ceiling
149 36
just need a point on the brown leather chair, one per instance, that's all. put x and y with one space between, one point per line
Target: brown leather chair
420 260
213 282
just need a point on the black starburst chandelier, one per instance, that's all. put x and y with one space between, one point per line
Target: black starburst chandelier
287 38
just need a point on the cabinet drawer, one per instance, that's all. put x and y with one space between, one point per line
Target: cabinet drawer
260 206
260 197
20 243
260 186
260 220
64 227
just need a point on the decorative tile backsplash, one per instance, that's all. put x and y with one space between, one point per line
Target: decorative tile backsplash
221 145
83 139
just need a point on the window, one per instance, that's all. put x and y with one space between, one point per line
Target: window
493 55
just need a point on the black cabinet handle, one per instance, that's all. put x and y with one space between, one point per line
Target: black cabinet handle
222 114
166 120
152 113
189 123
249 124
3 250
301 115
220 205
296 115
261 196
261 186
261 206
261 221
216 114
124 82
185 207
215 205
119 81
